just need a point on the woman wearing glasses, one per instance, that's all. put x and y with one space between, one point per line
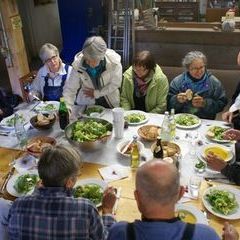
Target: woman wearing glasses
196 91
52 76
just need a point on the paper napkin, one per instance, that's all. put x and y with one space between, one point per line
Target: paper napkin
114 172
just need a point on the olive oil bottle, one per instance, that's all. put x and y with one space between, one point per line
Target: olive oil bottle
135 155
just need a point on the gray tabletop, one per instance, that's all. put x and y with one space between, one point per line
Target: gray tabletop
186 139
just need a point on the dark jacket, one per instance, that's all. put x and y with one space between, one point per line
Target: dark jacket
232 171
5 106
213 93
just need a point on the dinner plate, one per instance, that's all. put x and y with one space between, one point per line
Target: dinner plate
95 181
235 191
127 113
43 107
94 113
198 214
122 144
212 147
189 116
8 122
10 185
25 163
215 139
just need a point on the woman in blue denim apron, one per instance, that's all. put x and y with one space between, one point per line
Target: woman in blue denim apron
52 76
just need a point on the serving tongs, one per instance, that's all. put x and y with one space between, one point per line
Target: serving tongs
123 151
6 179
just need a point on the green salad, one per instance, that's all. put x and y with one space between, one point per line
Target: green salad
186 120
222 201
135 117
93 109
90 130
217 132
26 183
48 107
93 192
10 121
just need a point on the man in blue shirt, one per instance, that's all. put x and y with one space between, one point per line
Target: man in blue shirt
51 212
157 191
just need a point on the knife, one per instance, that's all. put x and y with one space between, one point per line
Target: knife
4 133
8 176
118 194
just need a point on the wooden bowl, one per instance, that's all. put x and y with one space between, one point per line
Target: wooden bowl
36 124
149 132
36 145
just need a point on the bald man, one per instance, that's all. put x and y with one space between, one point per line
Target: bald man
157 191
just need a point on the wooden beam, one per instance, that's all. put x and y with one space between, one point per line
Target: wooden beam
17 63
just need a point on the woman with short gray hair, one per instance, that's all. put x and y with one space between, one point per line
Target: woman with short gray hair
52 76
96 76
196 91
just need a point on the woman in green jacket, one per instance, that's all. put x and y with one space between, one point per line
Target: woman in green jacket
145 87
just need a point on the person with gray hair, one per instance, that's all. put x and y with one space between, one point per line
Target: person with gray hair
196 91
52 212
96 76
52 76
157 191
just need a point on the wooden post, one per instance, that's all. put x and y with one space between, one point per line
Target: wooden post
16 60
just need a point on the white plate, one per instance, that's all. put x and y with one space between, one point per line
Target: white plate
230 154
200 217
122 144
42 107
139 112
26 117
214 139
10 185
94 114
25 163
188 127
235 191
95 181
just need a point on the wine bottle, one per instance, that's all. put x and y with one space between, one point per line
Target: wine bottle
135 156
63 114
158 150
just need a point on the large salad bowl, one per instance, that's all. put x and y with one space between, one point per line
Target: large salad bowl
89 134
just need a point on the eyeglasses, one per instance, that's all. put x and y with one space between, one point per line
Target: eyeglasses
195 69
52 59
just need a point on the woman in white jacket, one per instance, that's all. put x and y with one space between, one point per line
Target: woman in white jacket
96 76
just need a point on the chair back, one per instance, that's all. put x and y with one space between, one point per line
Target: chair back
25 82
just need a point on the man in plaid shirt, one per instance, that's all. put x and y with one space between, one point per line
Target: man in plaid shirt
51 212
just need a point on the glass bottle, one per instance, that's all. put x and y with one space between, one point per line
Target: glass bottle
135 156
20 131
158 150
172 124
165 133
63 114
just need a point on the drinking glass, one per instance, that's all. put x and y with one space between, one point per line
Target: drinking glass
194 185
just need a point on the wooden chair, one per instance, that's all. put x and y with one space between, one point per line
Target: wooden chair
25 81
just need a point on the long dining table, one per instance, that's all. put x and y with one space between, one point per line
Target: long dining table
127 209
